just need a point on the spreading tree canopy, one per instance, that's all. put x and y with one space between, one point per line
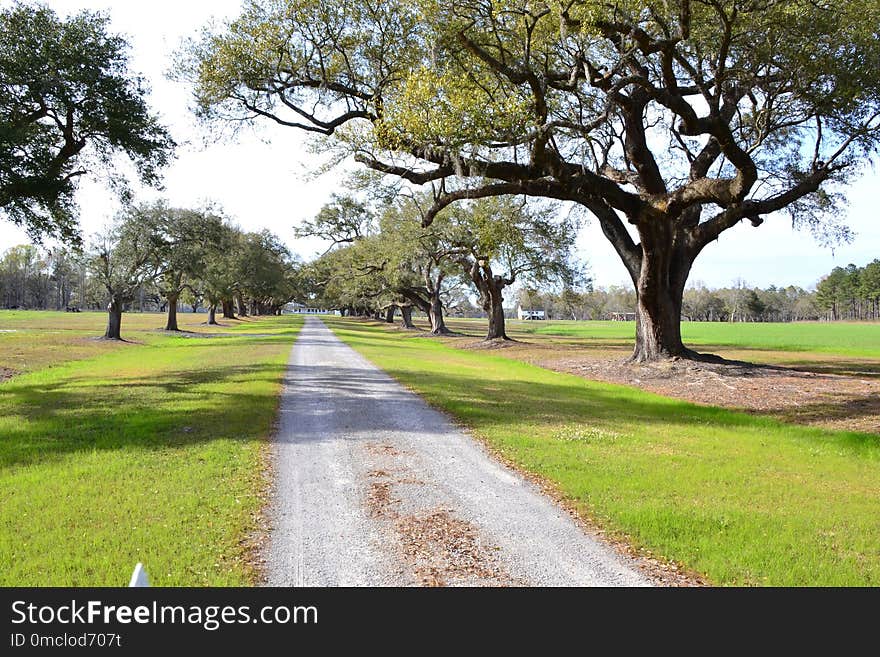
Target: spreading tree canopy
182 242
68 106
669 121
500 241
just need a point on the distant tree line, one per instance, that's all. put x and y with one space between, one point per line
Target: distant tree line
156 257
850 292
36 279
740 303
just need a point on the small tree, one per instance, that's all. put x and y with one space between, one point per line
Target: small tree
498 241
217 280
265 269
417 263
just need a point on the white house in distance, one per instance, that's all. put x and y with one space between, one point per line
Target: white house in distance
522 313
295 308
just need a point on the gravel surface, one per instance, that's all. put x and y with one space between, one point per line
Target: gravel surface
374 488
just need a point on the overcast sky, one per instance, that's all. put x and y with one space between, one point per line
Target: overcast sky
263 180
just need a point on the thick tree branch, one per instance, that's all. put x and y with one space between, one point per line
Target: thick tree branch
447 199
752 209
415 177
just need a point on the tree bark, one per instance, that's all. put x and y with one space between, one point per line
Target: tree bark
406 317
242 307
389 314
171 324
665 266
228 309
438 324
212 314
491 289
114 320
495 310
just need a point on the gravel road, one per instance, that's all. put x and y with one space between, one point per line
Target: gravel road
375 488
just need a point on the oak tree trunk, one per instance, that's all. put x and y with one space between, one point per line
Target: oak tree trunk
497 328
438 324
242 307
406 317
171 324
114 320
389 314
212 314
491 294
491 288
660 285
228 309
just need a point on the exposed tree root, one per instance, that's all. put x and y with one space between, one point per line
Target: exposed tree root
685 354
503 341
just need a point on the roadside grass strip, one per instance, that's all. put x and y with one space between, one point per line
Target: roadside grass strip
739 499
861 339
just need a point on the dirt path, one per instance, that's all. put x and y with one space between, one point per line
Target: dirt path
375 488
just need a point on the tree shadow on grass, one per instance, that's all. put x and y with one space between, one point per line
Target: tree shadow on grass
843 367
846 407
172 410
511 398
185 407
502 402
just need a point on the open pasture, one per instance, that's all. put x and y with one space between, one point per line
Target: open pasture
149 450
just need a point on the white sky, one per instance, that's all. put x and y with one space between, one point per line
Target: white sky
263 180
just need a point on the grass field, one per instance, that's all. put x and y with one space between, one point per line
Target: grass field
835 348
742 500
844 338
149 450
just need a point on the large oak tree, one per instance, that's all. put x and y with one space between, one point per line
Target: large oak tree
68 106
670 121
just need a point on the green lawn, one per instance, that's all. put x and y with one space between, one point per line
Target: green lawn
151 450
845 338
743 500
